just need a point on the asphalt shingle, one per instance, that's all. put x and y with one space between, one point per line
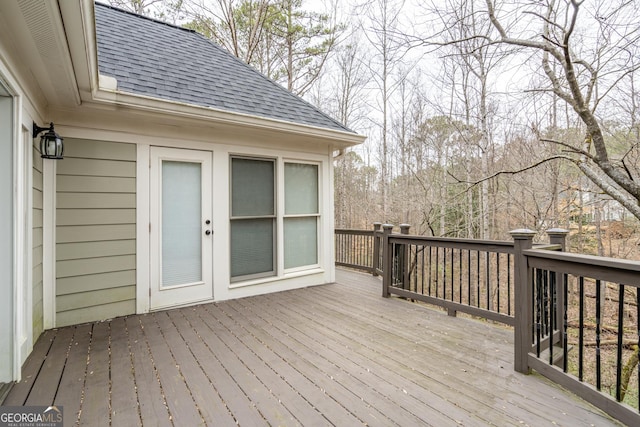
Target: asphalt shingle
151 58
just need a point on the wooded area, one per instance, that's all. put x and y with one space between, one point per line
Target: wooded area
482 116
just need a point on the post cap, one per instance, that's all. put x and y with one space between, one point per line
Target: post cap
557 231
522 233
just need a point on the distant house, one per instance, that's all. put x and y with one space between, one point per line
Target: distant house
187 175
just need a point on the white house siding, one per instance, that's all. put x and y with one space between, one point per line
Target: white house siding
37 313
95 231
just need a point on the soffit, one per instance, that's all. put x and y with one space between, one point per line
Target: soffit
39 47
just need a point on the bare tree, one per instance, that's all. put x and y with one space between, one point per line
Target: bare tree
237 26
384 17
583 72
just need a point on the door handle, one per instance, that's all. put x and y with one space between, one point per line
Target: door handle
208 232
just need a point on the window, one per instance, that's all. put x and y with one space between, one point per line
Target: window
301 215
255 217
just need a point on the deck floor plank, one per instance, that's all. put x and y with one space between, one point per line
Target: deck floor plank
482 371
329 355
457 375
396 388
152 406
124 402
202 390
245 370
74 375
46 385
20 391
297 389
97 397
177 394
303 349
243 409
397 355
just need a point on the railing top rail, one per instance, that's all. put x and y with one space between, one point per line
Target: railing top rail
354 231
547 246
453 242
596 267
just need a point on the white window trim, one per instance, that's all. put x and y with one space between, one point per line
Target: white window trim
280 272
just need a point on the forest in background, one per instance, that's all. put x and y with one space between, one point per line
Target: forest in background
482 116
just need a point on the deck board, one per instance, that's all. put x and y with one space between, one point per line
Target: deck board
124 408
330 355
96 394
75 373
46 384
20 391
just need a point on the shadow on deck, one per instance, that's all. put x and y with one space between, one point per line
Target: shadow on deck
329 355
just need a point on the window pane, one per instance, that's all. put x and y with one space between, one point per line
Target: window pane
301 189
181 228
252 187
251 246
300 241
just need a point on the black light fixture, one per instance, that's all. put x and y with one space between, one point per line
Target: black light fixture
50 143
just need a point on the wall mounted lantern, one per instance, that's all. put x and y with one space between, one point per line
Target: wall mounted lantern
50 143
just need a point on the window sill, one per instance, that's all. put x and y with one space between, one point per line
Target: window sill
266 280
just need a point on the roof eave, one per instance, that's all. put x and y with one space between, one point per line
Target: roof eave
339 139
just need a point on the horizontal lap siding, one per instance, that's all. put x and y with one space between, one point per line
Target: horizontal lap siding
95 231
37 310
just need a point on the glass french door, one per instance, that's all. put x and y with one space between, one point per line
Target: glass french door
181 235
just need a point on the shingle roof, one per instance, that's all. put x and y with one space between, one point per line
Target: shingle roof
151 58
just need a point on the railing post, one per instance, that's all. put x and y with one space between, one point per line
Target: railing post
523 303
376 248
558 236
387 259
403 259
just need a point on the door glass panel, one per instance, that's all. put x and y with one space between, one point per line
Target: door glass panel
181 223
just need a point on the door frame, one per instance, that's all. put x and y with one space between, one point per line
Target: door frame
158 154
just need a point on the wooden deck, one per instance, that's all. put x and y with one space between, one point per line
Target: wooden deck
329 355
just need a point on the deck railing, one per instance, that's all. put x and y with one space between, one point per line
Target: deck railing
460 275
359 249
585 334
575 317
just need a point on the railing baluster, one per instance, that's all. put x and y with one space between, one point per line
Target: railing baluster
422 273
581 330
488 278
498 282
638 335
545 303
453 275
430 268
478 277
620 342
598 358
444 273
565 324
509 284
469 277
437 269
539 303
460 276
552 311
